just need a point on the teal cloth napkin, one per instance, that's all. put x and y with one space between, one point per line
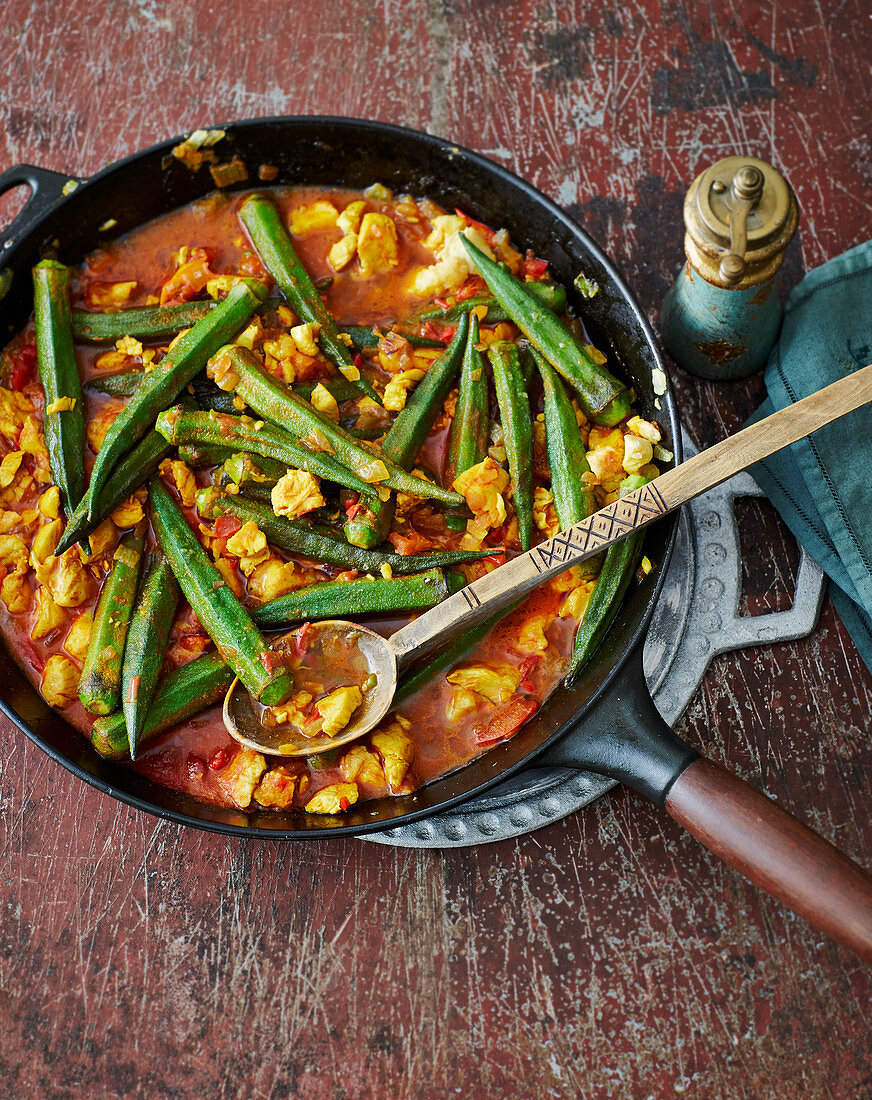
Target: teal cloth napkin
822 486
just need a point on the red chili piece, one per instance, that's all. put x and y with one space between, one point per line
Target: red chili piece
507 721
219 759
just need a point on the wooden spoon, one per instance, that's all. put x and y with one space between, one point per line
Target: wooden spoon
386 658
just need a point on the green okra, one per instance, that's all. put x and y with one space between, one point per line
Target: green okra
64 421
182 426
517 425
619 567
467 444
100 683
322 545
273 401
164 384
372 524
603 397
224 619
146 644
263 224
549 294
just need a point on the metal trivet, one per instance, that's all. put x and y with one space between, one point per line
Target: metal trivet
696 618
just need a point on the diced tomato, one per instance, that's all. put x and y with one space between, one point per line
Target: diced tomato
227 526
496 559
353 505
411 543
357 359
442 303
219 759
301 640
527 667
473 285
187 281
485 230
433 330
533 267
347 577
250 265
507 721
343 803
23 364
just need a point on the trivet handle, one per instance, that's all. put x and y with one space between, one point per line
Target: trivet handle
776 852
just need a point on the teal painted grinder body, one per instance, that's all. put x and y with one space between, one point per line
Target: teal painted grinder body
721 317
720 332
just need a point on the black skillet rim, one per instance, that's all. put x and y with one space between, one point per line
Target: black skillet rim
647 597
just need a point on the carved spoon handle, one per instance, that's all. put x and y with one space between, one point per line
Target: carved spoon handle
616 521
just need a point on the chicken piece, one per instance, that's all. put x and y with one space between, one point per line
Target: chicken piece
293 712
12 520
45 542
349 220
102 540
13 553
79 635
606 454
129 512
273 578
15 408
333 799
247 541
241 776
305 336
182 477
483 486
453 265
337 708
396 747
32 442
109 296
324 401
68 581
60 681
47 615
362 766
497 683
377 246
575 604
397 390
15 592
638 452
252 334
296 493
531 636
277 788
462 701
9 466
230 573
342 253
645 429
50 503
99 424
309 219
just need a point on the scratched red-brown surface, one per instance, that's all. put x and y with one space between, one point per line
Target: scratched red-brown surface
607 955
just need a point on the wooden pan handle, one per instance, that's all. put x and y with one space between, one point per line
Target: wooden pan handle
776 852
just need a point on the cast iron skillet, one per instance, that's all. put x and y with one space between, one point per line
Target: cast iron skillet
607 723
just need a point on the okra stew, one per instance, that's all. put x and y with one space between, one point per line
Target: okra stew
266 409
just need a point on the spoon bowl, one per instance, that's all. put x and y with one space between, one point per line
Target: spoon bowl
243 717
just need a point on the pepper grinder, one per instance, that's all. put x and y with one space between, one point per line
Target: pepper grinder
721 317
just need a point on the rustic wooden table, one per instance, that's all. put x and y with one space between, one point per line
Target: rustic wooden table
607 955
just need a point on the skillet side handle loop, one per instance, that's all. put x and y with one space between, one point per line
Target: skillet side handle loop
776 852
46 187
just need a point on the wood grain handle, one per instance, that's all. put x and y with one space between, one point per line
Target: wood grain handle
512 581
776 852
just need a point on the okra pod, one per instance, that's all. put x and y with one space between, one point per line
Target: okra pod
224 619
133 471
254 475
371 526
64 422
240 369
180 426
549 294
169 378
603 398
573 494
100 683
467 444
200 455
182 693
338 600
146 323
611 586
123 383
340 388
146 643
322 545
273 245
517 432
